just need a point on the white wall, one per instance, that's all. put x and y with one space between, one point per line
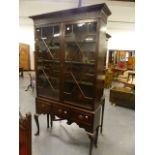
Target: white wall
26 35
122 39
120 24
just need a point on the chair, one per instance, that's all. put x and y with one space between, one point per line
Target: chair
25 136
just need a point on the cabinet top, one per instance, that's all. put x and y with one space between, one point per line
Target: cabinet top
92 8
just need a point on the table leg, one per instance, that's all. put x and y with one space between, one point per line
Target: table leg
48 120
96 138
37 124
91 144
51 122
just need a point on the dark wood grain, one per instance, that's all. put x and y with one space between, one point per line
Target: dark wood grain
25 137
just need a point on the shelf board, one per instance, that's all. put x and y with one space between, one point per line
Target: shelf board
80 82
85 74
45 60
73 34
52 78
79 63
81 42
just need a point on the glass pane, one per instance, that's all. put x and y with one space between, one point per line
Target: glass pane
80 48
48 79
48 44
92 27
80 45
47 32
80 28
48 75
56 31
38 33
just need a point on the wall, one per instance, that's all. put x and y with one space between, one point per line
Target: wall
26 35
120 24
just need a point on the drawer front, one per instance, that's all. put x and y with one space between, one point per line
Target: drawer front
43 107
82 117
61 111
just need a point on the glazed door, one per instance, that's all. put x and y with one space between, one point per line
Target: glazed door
79 62
48 61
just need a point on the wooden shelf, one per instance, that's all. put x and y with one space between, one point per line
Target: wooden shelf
80 63
45 60
80 82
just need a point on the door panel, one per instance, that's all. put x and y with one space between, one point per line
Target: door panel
24 59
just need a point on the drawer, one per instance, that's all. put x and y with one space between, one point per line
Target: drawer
61 111
82 117
43 107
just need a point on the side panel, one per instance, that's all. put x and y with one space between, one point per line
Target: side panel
101 61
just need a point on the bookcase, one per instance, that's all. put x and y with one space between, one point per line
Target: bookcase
71 48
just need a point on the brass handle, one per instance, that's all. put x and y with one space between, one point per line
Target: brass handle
86 117
59 110
80 116
65 112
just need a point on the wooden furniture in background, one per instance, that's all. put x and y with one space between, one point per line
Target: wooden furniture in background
123 96
131 63
24 56
118 71
25 137
108 78
71 48
132 75
116 56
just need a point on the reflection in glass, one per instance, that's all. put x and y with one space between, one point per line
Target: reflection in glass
48 75
48 44
68 29
80 47
47 32
81 44
92 27
56 31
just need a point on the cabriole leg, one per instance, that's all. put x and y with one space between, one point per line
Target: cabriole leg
96 136
48 120
37 124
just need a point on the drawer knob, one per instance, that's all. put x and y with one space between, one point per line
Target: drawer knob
86 117
80 116
65 112
59 110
